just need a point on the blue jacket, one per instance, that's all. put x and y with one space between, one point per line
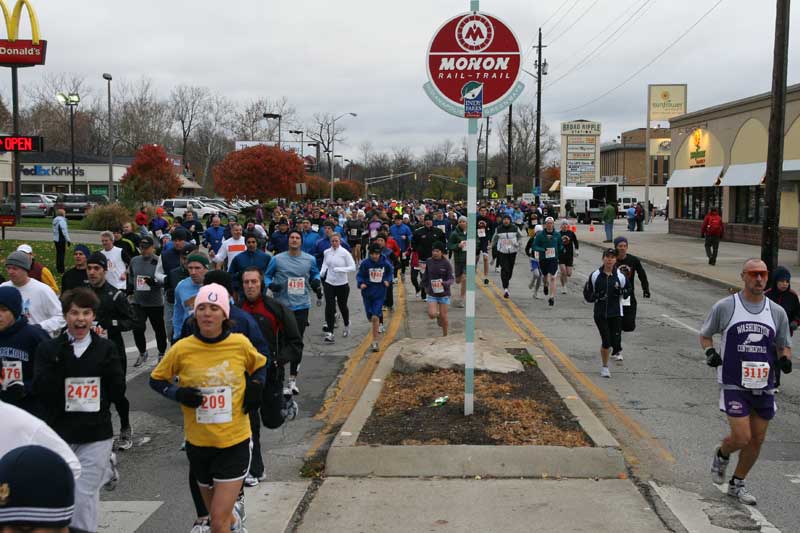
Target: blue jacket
245 260
397 233
213 237
284 266
310 239
374 290
19 343
60 222
279 242
185 291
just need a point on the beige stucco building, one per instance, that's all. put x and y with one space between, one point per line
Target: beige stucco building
719 159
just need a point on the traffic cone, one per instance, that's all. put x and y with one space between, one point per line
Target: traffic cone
591 227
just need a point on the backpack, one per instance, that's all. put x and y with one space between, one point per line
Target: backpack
588 290
273 412
714 228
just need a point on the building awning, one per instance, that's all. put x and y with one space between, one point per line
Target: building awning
555 187
745 175
186 183
791 170
694 177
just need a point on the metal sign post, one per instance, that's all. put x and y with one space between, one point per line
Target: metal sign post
473 70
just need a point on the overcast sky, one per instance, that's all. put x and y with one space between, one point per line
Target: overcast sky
368 56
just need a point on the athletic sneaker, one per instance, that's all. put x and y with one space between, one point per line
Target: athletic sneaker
325 329
293 386
536 294
616 356
375 347
250 481
737 489
111 484
551 302
381 328
290 408
141 359
124 441
563 290
329 338
485 281
238 507
346 331
505 294
497 270
201 525
718 467
604 372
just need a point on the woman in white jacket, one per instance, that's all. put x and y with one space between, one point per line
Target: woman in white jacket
336 264
507 240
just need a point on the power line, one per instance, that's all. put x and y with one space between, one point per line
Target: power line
562 17
596 49
553 14
585 12
640 70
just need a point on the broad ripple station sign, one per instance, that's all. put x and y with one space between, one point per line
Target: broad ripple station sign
473 65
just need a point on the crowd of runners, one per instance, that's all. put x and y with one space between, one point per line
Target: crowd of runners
229 307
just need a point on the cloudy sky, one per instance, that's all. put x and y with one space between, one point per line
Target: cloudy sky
368 56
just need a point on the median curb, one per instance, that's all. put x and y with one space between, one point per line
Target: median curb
677 270
347 458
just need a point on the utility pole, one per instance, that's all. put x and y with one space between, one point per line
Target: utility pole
510 133
537 180
486 154
770 240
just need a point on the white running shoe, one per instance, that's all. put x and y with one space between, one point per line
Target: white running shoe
346 331
497 270
505 294
250 481
563 290
536 295
718 467
201 526
375 347
381 328
738 490
617 357
293 386
604 372
329 338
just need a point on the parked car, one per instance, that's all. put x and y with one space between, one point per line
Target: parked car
32 205
178 206
74 205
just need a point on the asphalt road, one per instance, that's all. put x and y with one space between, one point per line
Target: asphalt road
665 388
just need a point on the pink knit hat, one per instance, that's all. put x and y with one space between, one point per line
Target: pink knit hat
216 294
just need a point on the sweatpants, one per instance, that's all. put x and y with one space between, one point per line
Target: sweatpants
416 280
301 315
506 263
95 458
336 294
156 317
610 332
169 308
122 404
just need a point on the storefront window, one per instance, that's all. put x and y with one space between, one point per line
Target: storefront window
56 189
694 203
31 187
749 202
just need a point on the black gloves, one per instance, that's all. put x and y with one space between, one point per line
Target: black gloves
315 285
318 292
151 282
16 392
785 364
713 359
646 294
252 395
189 396
275 287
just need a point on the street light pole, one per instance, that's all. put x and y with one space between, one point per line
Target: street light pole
71 100
111 195
277 116
299 132
333 141
541 70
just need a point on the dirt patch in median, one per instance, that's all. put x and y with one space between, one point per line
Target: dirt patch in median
510 409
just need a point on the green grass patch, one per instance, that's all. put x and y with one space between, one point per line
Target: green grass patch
43 251
47 222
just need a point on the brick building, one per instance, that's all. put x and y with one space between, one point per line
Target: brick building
623 160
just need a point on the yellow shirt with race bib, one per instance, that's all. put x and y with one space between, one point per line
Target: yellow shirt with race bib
218 370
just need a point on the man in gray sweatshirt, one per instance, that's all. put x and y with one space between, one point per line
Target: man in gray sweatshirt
148 299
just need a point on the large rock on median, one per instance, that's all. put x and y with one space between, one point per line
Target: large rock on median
448 353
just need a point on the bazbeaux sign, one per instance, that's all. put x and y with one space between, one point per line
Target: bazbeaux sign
473 65
21 52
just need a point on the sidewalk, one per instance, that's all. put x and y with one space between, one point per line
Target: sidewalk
413 500
682 254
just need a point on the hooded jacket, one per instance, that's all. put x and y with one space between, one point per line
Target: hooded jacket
787 299
507 239
18 342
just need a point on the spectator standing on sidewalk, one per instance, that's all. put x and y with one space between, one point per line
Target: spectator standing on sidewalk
639 217
60 238
631 214
782 294
608 216
712 231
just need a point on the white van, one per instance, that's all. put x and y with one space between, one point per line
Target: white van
624 202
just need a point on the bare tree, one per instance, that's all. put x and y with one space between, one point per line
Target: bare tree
212 136
249 123
188 105
141 117
321 130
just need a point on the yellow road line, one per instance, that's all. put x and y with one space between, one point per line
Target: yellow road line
360 367
600 395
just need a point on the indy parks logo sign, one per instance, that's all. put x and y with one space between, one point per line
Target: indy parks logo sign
473 65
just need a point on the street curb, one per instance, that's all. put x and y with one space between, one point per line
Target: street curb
677 270
34 230
345 458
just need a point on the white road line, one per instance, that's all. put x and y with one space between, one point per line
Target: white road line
755 514
687 326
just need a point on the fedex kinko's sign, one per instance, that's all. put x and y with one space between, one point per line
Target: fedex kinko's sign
473 65
21 52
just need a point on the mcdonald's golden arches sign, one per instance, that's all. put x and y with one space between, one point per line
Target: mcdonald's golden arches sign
16 52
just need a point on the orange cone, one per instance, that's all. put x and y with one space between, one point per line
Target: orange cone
591 227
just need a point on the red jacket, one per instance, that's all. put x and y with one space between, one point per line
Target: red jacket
712 226
392 245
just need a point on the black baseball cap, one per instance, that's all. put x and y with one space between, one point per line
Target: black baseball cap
188 249
97 258
146 242
609 251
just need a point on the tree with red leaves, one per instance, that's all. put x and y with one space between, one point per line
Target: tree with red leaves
348 189
151 177
261 172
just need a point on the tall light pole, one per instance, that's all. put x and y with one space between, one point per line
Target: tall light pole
71 100
300 133
107 77
349 165
333 140
316 165
275 116
541 70
334 162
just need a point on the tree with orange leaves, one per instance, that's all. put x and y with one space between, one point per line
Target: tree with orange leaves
151 177
261 172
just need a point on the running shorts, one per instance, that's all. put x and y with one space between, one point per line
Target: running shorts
373 307
211 464
567 260
739 403
438 299
460 268
549 266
